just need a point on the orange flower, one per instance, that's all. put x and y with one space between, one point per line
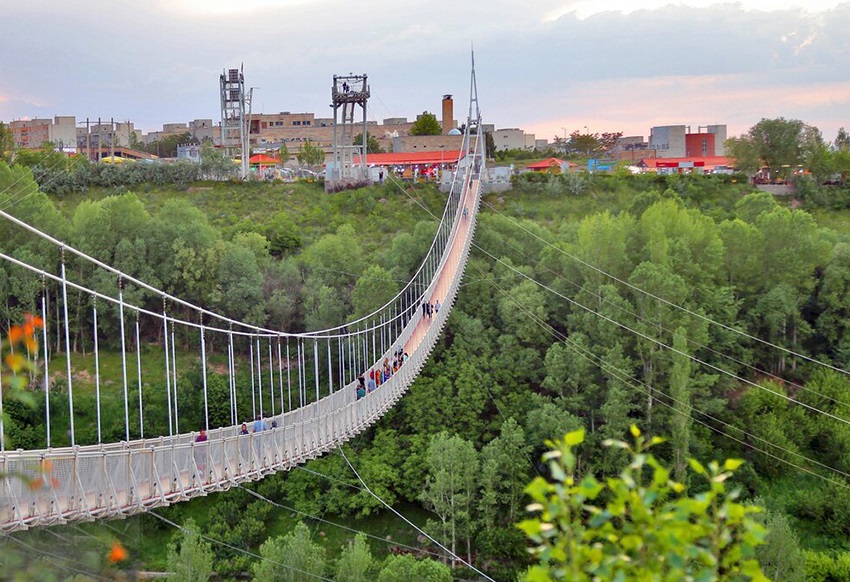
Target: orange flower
31 322
117 553
35 484
31 344
16 333
15 362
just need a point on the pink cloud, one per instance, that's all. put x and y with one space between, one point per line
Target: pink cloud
738 101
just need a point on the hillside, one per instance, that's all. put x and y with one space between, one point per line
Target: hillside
566 318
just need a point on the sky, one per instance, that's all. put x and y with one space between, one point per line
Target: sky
545 66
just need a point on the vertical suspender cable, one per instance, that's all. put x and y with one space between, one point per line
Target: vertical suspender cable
351 361
139 371
356 360
300 373
271 376
260 377
330 370
280 377
304 376
341 376
374 340
253 395
96 367
288 375
167 367
231 380
123 358
68 349
316 365
204 365
174 379
46 360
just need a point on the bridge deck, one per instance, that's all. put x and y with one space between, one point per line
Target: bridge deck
83 483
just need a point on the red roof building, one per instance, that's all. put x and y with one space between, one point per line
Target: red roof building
555 165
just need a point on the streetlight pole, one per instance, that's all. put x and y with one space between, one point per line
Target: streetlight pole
565 140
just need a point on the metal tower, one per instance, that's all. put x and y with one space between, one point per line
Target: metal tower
348 91
473 140
235 113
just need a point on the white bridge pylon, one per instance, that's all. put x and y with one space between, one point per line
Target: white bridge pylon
82 483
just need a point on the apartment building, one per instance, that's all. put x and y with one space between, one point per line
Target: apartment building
31 133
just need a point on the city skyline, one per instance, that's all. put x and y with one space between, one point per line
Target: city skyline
550 68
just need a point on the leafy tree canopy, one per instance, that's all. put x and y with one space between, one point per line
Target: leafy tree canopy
426 124
310 154
373 146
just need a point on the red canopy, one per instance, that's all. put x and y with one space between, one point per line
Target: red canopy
263 159
411 158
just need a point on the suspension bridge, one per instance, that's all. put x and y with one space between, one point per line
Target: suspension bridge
303 385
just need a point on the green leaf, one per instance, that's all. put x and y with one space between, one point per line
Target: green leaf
732 464
574 438
696 466
634 430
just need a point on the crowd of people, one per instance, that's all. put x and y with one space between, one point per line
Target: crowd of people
380 373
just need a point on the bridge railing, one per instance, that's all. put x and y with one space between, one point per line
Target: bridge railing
87 482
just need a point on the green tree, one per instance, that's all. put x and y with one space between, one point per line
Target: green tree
406 568
290 558
215 163
283 153
166 147
744 154
355 563
504 472
641 525
7 143
189 556
780 555
373 146
489 145
426 124
239 286
310 154
842 140
584 143
778 144
680 393
450 490
374 288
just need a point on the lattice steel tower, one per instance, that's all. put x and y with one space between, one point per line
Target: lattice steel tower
235 113
348 92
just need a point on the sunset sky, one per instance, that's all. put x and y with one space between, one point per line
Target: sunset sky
543 66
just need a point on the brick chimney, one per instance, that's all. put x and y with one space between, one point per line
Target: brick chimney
448 114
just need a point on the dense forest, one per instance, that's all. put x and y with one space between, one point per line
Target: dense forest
691 306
